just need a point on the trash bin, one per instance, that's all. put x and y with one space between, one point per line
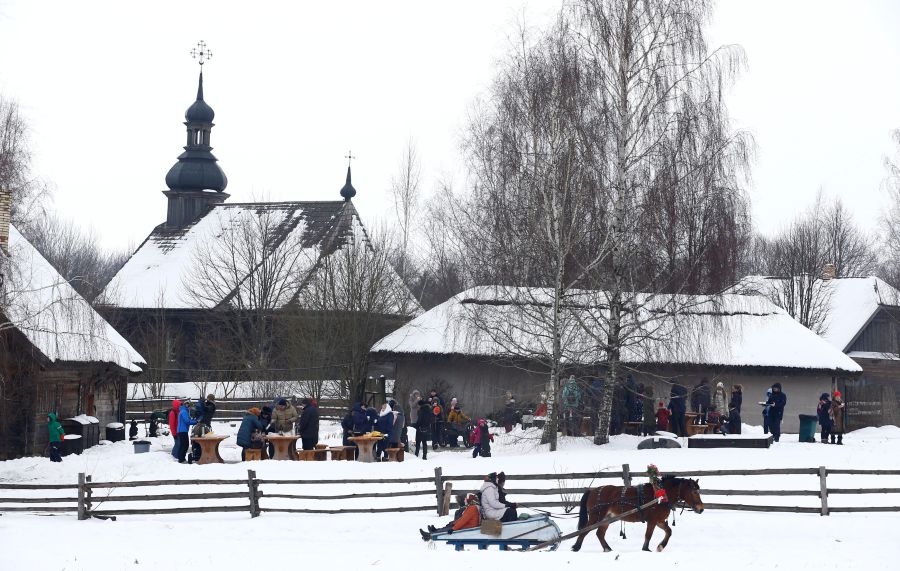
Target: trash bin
72 444
808 427
115 432
141 446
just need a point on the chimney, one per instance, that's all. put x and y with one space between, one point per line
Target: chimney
828 272
5 207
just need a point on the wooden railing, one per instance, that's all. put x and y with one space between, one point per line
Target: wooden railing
257 495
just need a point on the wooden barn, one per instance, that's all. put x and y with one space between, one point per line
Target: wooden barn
56 353
482 343
860 317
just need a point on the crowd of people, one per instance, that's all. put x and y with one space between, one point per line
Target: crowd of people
489 503
282 417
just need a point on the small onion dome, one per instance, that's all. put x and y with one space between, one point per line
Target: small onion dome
199 111
348 191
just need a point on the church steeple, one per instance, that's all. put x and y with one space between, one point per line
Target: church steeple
196 182
348 191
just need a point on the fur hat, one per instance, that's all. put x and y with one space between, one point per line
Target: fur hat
472 499
254 411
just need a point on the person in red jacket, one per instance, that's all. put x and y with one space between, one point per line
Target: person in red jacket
662 417
173 424
471 517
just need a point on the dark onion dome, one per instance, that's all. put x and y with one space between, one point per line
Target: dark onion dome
199 111
197 167
348 191
196 173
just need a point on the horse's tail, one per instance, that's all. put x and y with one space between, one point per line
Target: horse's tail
583 510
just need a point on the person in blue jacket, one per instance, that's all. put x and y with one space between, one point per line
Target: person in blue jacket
384 425
777 402
185 422
360 420
249 425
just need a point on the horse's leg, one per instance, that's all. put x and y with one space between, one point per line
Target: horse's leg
592 519
664 525
647 535
601 535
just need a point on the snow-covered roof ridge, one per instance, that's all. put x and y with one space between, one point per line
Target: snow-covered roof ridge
850 303
722 330
54 318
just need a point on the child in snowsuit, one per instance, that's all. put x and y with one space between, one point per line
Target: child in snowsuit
662 417
55 435
471 517
481 439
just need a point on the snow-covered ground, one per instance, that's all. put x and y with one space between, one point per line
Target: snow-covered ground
713 540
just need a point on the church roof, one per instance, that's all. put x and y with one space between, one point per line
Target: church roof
54 318
165 269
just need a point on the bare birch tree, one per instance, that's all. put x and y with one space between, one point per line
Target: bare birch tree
405 196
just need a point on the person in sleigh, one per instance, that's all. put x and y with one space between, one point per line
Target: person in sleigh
470 517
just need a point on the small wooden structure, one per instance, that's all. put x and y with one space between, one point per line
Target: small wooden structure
209 448
366 447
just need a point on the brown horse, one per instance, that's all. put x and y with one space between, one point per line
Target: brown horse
599 503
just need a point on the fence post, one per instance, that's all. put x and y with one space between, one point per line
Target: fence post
439 489
823 489
445 502
82 514
252 485
89 494
626 475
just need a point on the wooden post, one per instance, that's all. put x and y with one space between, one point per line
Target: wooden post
82 513
626 475
89 495
823 489
252 485
439 489
445 503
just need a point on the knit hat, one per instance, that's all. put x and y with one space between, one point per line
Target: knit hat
824 396
492 477
254 411
472 499
282 402
837 394
662 404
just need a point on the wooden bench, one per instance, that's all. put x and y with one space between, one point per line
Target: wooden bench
633 428
316 455
321 447
343 452
395 454
251 454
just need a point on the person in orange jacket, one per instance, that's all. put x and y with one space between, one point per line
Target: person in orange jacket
471 517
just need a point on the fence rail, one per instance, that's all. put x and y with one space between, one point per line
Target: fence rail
99 499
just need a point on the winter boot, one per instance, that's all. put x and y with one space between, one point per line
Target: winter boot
425 535
840 439
832 439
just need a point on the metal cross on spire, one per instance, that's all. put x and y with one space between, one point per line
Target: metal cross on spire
349 156
201 53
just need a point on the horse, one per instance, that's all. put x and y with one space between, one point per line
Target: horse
599 503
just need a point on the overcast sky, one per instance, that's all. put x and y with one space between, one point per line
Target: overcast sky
104 86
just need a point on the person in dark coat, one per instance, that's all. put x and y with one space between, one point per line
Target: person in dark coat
347 428
777 402
732 424
384 425
360 420
678 405
308 425
423 428
700 398
737 396
509 413
133 430
837 418
265 417
250 425
824 418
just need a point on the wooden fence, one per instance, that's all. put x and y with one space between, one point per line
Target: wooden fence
257 495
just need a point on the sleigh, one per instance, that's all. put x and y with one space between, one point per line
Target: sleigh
522 534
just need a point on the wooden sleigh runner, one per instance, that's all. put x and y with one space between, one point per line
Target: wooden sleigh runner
522 534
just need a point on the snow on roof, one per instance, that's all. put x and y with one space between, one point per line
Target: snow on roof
726 330
849 303
54 318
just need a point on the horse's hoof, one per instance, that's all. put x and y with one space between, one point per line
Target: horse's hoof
607 550
645 549
659 548
575 548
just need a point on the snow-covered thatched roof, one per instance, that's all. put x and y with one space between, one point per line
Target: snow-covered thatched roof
53 317
848 304
220 257
726 330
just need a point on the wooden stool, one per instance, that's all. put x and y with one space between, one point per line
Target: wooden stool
316 455
395 454
343 453
253 454
321 446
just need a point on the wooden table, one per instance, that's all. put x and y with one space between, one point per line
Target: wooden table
209 448
366 447
693 429
283 446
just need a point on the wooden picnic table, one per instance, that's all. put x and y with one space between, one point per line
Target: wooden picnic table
209 448
366 447
283 445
